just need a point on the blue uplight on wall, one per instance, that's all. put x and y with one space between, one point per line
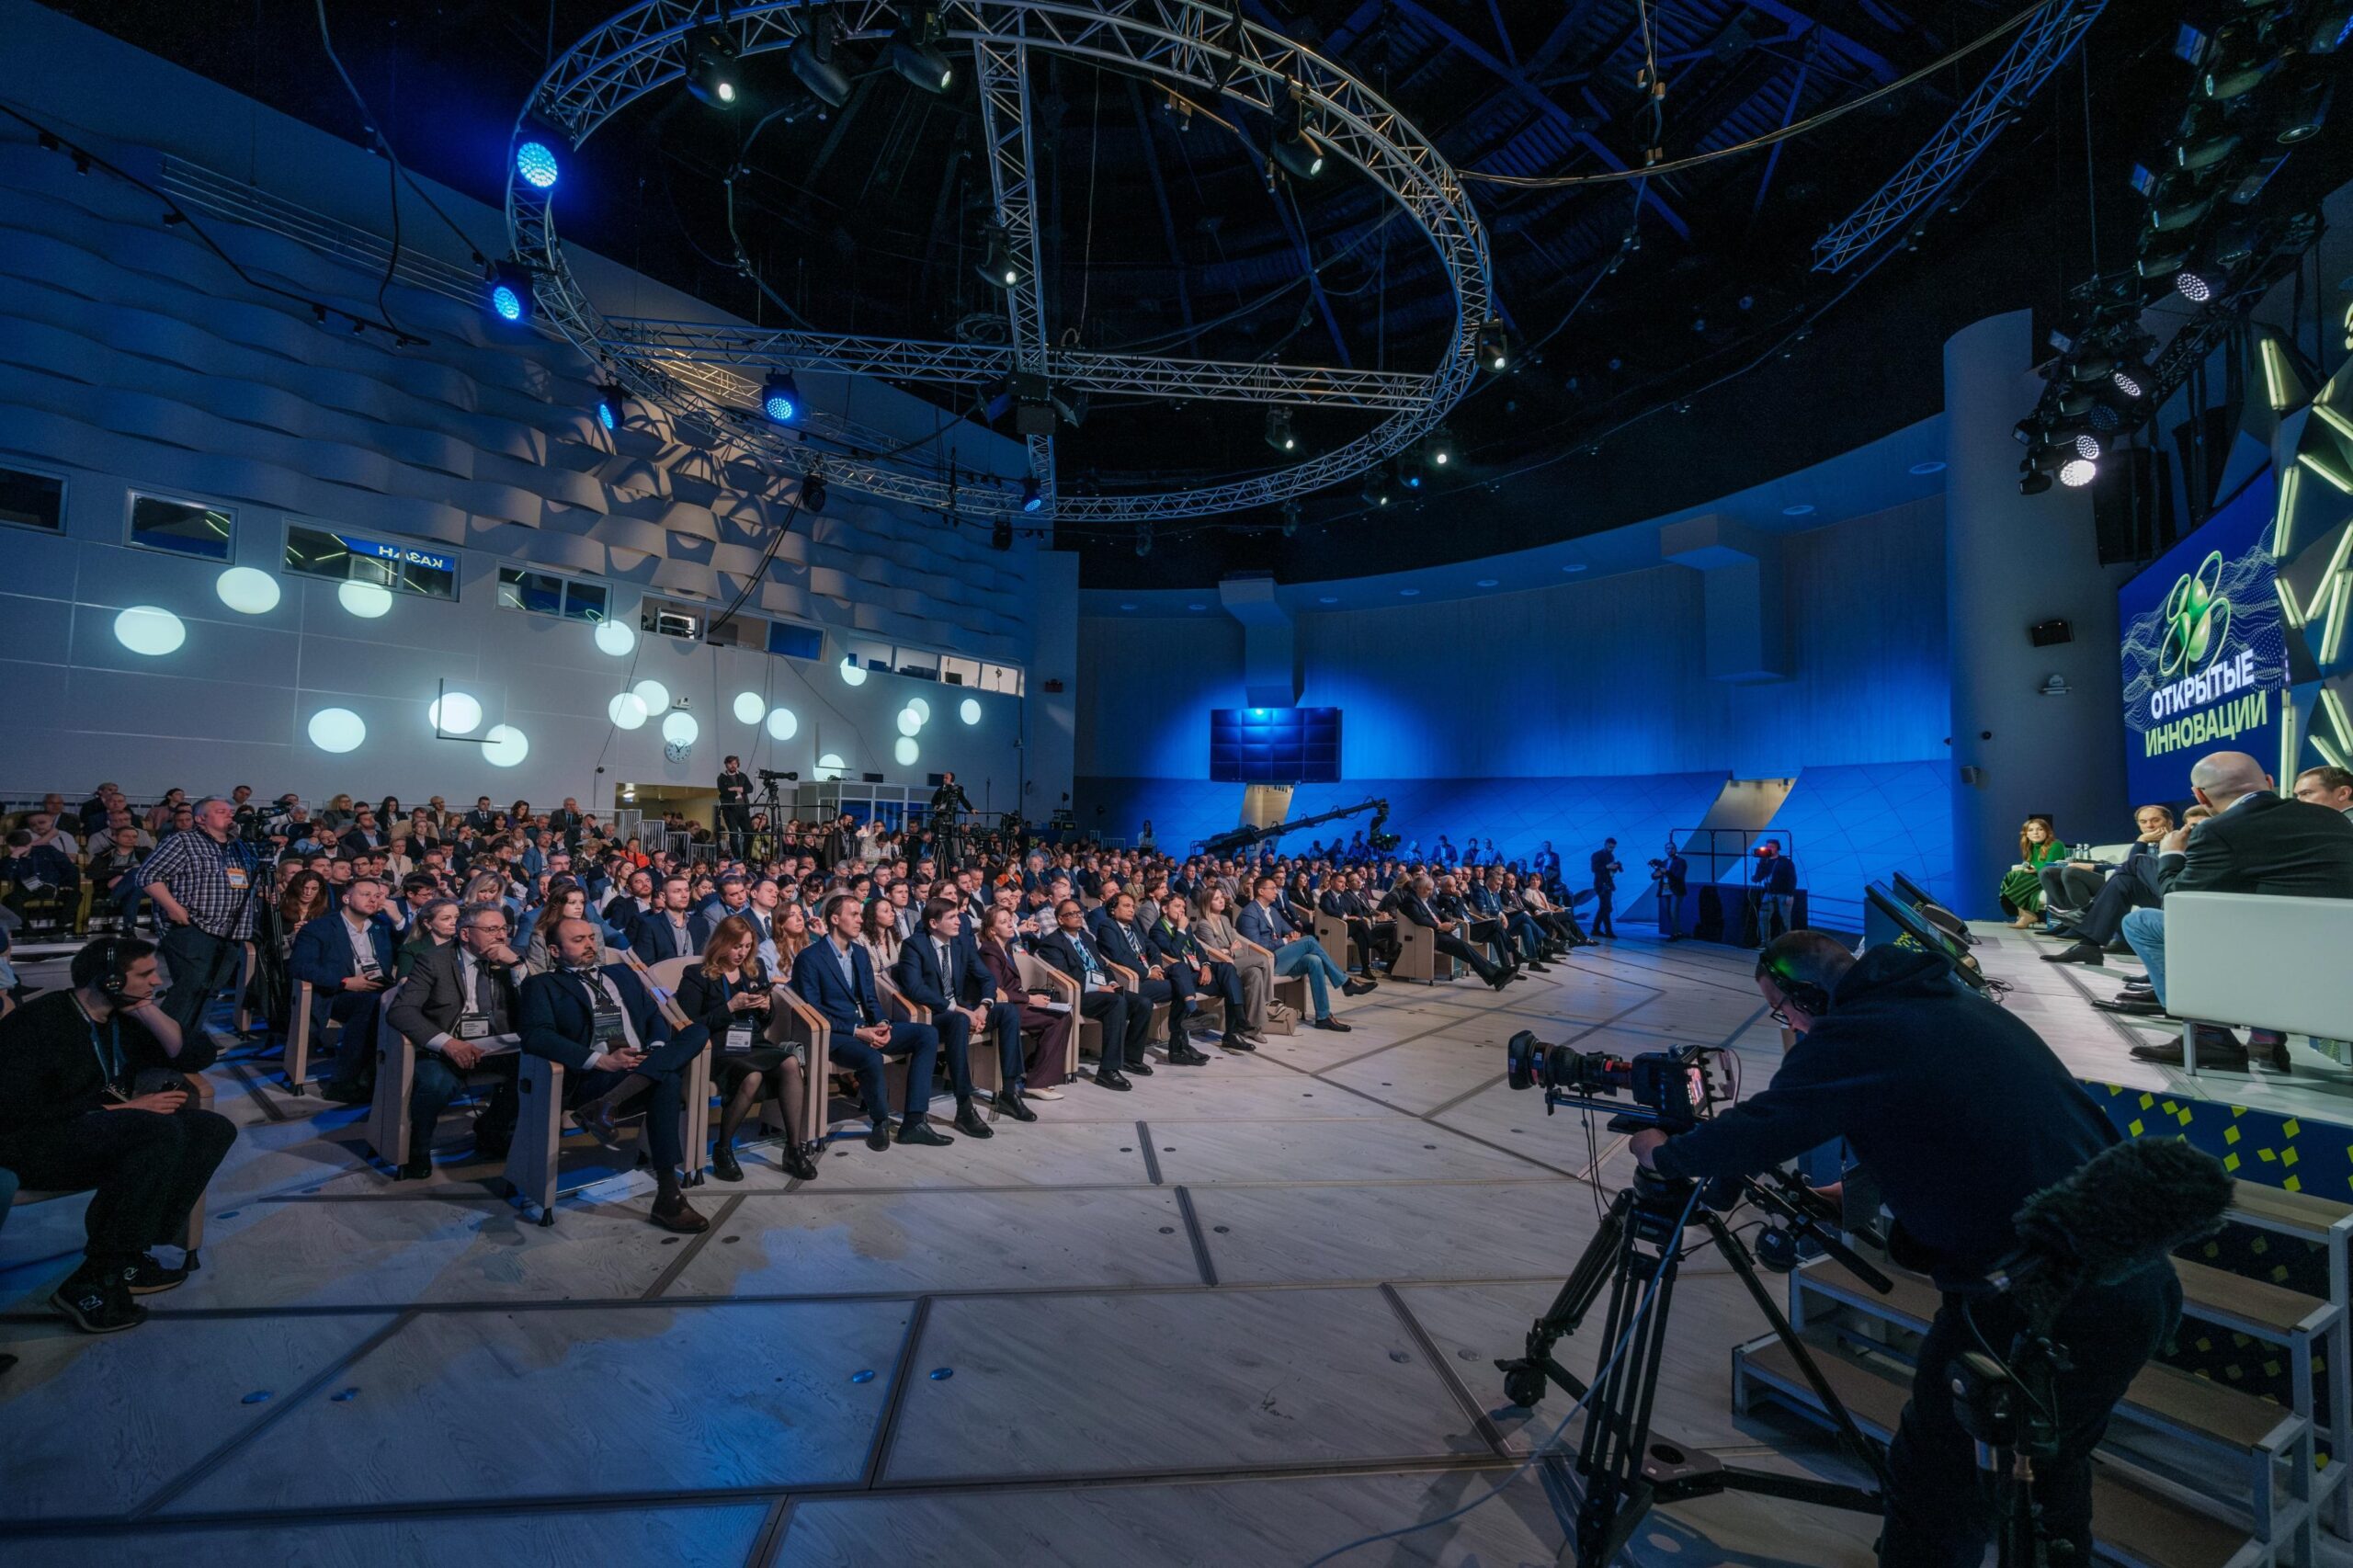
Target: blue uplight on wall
535 160
508 292
1274 746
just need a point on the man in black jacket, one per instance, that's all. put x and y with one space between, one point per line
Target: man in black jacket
938 971
2257 843
1125 1019
461 1009
1606 868
1895 1058
73 1115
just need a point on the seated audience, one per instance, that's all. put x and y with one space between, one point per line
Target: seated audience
604 1029
1263 922
668 931
2255 843
1183 954
91 1096
347 957
1412 903
1045 1067
729 994
939 970
435 927
1252 965
835 974
879 933
1125 1019
1125 942
461 1008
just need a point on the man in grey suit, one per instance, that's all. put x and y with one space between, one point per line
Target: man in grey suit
459 1005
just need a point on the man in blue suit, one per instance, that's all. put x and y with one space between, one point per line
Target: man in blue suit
940 969
1263 921
666 931
834 975
347 956
1126 942
613 1042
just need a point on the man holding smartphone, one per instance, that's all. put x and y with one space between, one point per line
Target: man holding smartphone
90 1098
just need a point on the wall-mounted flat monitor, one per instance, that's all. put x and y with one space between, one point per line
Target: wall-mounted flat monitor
1274 746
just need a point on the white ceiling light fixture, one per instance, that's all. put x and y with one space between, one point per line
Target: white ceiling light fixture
454 713
505 747
247 590
149 630
368 601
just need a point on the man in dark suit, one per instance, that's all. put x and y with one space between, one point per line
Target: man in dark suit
1124 1020
461 1007
2255 842
1123 939
1375 938
1605 887
834 975
734 822
666 931
481 819
1412 904
612 1041
940 969
346 955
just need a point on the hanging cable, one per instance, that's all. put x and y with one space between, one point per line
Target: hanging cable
383 145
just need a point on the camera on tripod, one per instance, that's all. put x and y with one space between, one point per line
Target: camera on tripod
1669 1089
770 775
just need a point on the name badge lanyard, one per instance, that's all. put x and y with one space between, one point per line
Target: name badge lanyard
739 1031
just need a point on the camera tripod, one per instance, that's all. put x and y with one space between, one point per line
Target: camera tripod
2009 1407
1639 1246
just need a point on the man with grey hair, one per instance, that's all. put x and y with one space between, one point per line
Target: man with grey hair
203 883
2257 842
461 1008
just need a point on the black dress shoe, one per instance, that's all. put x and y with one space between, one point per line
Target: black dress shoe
418 1166
723 1165
1540 967
920 1132
968 1123
2217 1047
2140 1007
2076 952
879 1138
1110 1079
1355 987
1498 979
1015 1103
797 1165
1182 1055
1140 1067
1236 1042
1334 1025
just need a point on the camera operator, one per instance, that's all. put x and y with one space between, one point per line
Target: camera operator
1671 877
1961 1112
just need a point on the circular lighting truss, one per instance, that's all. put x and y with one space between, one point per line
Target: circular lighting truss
1189 45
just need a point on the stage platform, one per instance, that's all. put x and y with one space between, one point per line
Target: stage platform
1241 1315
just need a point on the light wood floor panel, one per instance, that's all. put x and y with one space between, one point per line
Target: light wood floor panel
462 1405
1398 1148
1474 1232
1175 1381
694 1536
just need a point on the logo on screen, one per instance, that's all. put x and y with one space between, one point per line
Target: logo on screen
2196 618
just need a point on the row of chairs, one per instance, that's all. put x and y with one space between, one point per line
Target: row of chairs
533 1162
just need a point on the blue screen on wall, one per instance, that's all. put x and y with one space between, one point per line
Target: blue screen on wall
1274 746
2205 651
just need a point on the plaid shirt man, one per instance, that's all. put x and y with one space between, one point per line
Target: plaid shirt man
209 879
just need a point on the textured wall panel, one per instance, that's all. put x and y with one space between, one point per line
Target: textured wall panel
1850 826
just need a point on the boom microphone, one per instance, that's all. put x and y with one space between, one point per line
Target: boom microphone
2124 1209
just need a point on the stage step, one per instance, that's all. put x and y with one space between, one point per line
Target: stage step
2132 1524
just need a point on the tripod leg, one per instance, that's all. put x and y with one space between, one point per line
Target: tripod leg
1737 1255
1524 1379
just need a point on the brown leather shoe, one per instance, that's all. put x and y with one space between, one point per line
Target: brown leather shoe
681 1217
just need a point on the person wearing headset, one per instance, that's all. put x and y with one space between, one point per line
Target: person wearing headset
90 1098
1961 1112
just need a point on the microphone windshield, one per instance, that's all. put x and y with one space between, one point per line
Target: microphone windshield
2124 1209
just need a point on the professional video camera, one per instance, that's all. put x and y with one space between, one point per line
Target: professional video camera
770 775
1670 1089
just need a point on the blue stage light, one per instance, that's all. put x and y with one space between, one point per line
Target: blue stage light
509 292
1032 498
535 160
610 411
780 397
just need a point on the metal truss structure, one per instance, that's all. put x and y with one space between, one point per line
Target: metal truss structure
2046 40
1188 44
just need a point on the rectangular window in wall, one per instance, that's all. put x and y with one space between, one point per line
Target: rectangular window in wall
32 500
346 558
1001 677
546 593
791 642
185 528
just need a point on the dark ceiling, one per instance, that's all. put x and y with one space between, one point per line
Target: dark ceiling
1170 237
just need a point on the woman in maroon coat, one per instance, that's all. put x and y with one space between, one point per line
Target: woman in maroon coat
1047 1059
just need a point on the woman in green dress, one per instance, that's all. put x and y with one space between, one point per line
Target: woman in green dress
2039 847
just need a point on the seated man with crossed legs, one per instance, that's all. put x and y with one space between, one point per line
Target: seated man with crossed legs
835 976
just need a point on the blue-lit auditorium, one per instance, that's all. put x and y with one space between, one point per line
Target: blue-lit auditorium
1147 783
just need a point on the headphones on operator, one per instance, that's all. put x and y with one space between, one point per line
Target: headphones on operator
110 979
1814 998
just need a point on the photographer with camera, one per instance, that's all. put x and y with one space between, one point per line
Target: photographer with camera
1961 1112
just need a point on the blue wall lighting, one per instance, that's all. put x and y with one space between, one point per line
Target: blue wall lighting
1274 746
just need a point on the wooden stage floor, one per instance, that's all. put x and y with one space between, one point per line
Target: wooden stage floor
1241 1315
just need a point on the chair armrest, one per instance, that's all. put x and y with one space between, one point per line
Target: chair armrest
1126 976
892 998
1242 944
795 1019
